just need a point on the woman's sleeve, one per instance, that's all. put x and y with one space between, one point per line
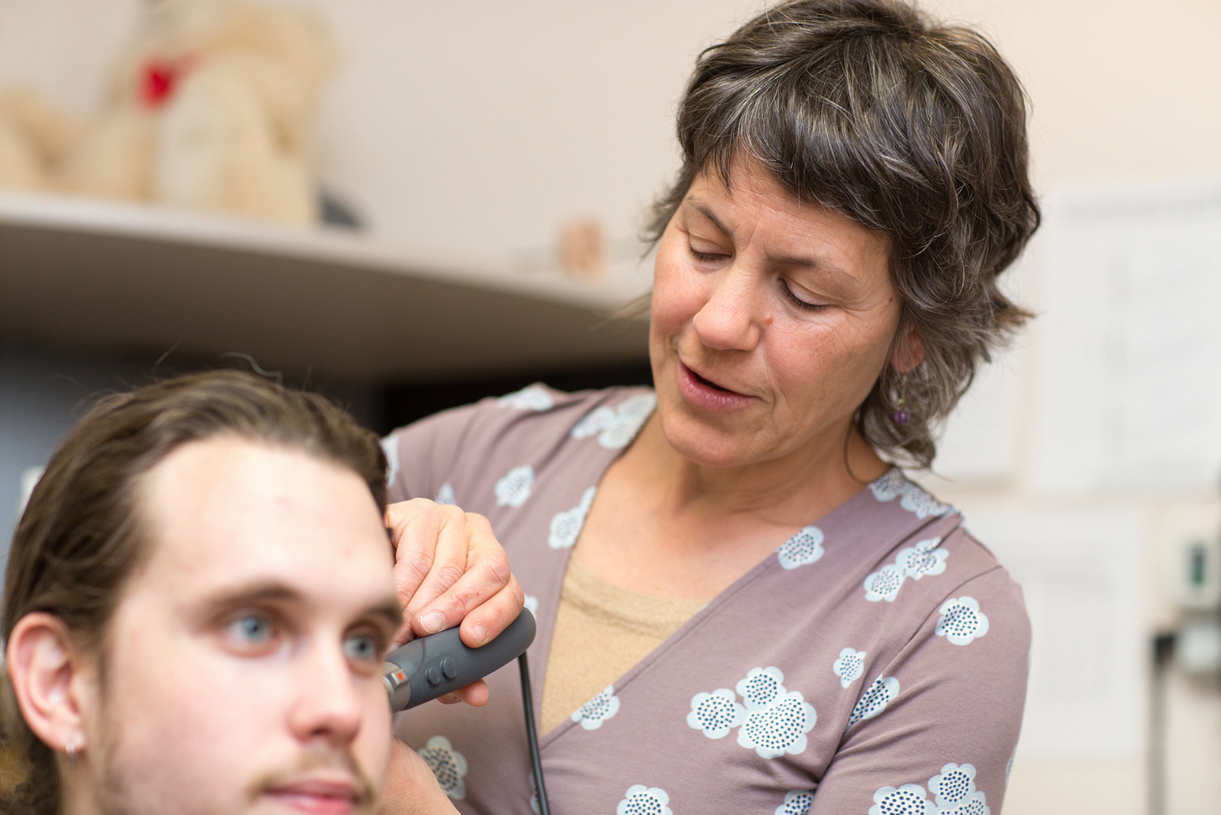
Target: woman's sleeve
936 729
422 455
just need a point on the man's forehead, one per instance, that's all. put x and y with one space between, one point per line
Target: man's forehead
228 509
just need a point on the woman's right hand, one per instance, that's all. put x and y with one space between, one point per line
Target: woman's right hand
450 570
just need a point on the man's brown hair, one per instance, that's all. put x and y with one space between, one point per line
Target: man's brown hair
80 537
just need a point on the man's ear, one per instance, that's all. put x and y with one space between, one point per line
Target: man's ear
908 351
46 672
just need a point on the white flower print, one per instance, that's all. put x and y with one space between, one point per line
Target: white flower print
953 784
445 495
874 700
642 800
761 687
923 558
920 503
975 805
532 397
849 667
779 728
514 488
447 764
391 449
532 604
616 427
772 721
953 792
796 802
715 713
566 525
961 620
884 584
909 799
890 486
593 423
803 548
915 500
638 408
598 709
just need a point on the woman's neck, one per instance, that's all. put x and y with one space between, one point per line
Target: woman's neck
789 490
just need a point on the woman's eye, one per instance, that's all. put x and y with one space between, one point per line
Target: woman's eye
706 257
797 301
362 648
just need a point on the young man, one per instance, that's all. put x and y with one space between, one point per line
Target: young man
197 602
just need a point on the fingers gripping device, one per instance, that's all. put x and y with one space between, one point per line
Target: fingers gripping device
435 665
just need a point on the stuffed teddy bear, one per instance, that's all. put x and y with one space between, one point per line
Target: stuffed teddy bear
209 107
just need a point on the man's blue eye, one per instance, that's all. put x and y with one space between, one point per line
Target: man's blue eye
361 648
251 628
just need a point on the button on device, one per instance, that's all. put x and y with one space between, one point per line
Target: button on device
449 667
433 675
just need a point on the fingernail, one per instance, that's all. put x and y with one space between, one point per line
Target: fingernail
481 633
433 621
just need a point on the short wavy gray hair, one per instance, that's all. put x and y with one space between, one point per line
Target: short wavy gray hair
912 129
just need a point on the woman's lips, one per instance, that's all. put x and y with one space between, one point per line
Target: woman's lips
706 394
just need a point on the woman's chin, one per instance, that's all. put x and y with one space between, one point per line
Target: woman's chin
705 446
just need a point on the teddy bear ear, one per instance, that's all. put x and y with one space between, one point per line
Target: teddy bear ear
296 36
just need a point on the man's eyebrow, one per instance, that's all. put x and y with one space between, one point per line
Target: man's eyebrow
388 610
261 592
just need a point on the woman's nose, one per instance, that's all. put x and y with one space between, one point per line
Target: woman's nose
328 703
727 320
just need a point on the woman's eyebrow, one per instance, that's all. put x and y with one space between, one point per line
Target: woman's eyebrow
706 211
817 264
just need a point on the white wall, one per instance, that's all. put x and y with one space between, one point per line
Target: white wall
487 125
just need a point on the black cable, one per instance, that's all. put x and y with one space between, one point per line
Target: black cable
536 762
1163 654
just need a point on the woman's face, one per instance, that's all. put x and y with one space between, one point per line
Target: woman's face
771 320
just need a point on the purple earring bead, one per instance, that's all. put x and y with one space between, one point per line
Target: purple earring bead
902 416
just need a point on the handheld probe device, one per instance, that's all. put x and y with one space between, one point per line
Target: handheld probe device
438 664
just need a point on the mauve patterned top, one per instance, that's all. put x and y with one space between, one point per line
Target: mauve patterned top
875 664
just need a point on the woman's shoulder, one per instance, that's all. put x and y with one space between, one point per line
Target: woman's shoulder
538 408
927 549
536 421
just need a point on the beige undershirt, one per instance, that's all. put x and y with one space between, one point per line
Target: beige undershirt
600 632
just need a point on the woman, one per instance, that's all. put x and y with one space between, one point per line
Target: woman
742 605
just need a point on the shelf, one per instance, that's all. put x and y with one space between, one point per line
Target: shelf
112 276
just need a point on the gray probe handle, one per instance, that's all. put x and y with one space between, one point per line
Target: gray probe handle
438 664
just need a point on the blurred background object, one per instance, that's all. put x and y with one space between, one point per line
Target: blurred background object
210 105
1088 457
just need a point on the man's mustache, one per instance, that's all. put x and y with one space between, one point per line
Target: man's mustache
326 761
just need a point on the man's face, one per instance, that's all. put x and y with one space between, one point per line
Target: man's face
243 665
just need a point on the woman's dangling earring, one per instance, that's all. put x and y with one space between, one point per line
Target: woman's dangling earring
70 749
901 416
